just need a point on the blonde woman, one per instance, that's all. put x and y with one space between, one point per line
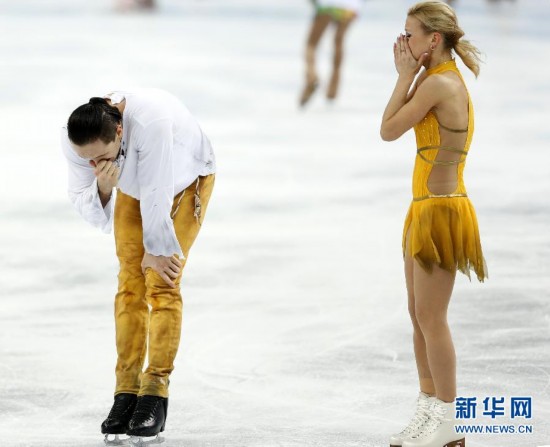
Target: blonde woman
341 14
441 233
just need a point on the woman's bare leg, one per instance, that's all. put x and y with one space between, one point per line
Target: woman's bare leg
338 56
318 27
432 294
424 375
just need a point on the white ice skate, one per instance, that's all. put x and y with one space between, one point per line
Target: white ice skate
423 404
142 441
114 440
439 431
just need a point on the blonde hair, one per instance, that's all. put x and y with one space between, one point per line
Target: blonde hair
436 16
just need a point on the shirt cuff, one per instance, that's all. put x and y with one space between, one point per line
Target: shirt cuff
163 242
106 212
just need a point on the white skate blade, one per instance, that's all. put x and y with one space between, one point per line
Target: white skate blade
143 441
116 440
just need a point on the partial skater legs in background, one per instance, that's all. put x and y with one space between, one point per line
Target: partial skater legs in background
127 5
325 15
318 28
341 30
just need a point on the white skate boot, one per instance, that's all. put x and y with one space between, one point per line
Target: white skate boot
423 404
439 431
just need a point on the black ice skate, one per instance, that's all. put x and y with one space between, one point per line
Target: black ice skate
148 421
117 422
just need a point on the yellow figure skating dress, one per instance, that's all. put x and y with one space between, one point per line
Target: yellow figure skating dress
442 226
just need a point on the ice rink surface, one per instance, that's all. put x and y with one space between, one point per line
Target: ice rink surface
296 331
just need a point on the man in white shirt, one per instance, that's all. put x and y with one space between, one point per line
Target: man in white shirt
148 146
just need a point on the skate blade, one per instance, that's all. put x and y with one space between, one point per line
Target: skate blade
142 441
116 440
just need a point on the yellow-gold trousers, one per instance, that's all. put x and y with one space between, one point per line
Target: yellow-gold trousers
148 311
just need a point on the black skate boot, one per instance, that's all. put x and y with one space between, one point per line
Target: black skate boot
119 416
148 420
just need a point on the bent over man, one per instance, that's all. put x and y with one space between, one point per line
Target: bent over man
149 147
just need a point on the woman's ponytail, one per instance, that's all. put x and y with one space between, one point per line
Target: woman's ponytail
469 54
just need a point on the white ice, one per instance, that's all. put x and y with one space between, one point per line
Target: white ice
296 330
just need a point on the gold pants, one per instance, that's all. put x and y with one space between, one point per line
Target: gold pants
147 310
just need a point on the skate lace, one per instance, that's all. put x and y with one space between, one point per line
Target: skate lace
145 407
120 407
419 417
436 418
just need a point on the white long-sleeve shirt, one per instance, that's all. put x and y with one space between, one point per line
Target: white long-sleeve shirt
350 5
163 151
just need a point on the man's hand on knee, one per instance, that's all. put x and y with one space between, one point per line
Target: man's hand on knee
168 268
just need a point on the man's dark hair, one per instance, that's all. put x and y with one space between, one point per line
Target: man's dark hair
96 120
